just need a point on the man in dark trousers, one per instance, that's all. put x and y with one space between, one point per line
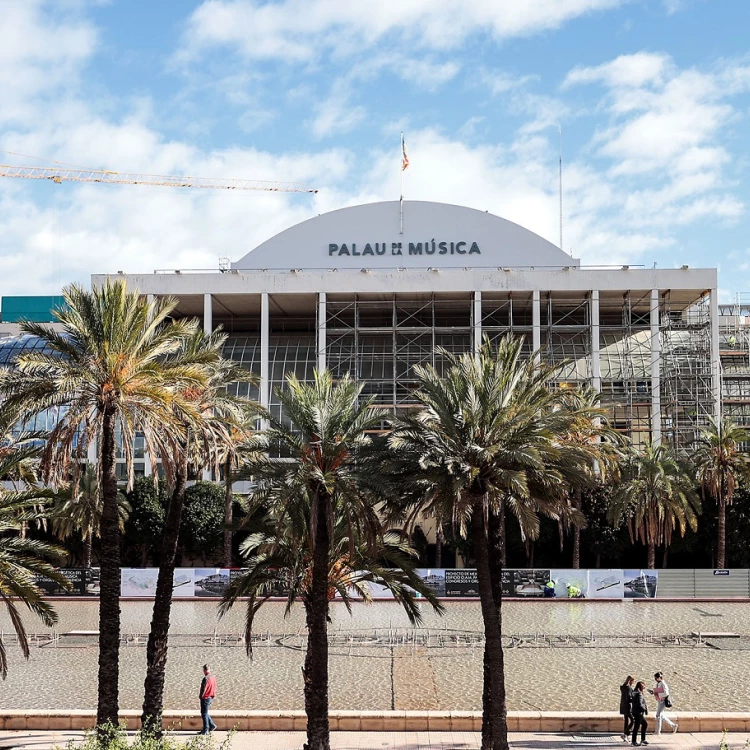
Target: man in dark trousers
207 694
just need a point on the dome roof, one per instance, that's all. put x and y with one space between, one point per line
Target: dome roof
10 348
417 234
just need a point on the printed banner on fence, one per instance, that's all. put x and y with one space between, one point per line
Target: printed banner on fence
521 583
82 582
461 582
570 583
525 583
606 584
640 584
210 581
141 582
434 578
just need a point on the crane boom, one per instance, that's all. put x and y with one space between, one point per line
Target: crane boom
60 174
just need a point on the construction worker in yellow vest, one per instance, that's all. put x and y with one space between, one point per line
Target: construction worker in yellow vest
574 592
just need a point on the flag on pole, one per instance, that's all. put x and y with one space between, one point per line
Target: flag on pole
404 157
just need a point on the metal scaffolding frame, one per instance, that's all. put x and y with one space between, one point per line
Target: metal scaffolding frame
625 362
380 341
645 355
687 400
734 352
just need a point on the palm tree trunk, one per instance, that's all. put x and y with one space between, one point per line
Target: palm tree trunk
651 556
439 548
156 651
721 551
494 718
316 658
87 544
576 533
501 534
664 556
109 596
228 503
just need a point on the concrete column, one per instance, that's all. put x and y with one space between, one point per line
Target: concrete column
264 387
655 370
477 321
596 367
321 330
715 359
208 327
150 298
536 330
208 314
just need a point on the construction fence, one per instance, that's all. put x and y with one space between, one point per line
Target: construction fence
450 583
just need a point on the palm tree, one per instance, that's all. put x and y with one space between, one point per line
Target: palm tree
719 466
233 451
487 439
81 515
328 474
277 559
590 430
655 497
209 414
107 372
23 560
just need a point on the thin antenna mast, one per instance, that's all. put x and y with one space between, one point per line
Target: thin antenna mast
404 163
559 130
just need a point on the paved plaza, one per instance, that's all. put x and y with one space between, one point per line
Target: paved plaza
24 740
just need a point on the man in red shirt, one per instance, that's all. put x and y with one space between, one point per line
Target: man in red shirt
207 694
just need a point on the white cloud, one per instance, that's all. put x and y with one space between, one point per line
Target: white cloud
426 74
667 126
37 56
500 81
302 30
610 214
336 114
627 70
663 117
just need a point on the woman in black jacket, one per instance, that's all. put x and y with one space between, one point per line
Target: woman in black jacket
640 710
626 706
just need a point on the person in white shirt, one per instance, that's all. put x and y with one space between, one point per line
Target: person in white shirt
661 693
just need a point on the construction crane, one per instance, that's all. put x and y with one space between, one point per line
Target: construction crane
78 174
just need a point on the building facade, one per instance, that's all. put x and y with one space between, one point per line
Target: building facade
374 290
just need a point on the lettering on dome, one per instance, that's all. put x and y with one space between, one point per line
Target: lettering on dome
431 247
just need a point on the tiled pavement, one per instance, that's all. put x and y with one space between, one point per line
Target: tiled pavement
31 740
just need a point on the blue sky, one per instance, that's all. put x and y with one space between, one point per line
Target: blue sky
653 98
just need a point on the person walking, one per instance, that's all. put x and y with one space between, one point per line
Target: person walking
626 706
661 693
207 695
640 711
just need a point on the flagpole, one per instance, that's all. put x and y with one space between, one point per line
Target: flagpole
401 199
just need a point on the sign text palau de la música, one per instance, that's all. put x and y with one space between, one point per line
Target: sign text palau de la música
431 247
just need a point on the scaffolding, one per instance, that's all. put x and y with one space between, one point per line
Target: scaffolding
625 356
686 392
379 339
734 352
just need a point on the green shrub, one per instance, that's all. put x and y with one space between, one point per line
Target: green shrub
116 738
202 530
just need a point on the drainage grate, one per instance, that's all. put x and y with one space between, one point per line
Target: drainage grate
595 738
